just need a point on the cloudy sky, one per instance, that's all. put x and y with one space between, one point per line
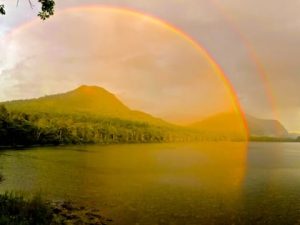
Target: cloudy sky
255 42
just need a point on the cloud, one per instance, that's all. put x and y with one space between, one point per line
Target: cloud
273 32
147 66
271 29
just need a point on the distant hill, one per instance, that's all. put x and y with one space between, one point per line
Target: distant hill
222 125
91 114
294 135
90 100
86 115
266 128
231 124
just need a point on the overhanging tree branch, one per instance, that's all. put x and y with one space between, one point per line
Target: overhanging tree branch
2 10
47 8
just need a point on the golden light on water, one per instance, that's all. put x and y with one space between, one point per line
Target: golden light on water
149 65
120 110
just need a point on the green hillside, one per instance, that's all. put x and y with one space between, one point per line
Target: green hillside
222 126
91 114
85 100
226 125
85 115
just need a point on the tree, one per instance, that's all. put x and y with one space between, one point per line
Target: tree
47 8
3 113
2 10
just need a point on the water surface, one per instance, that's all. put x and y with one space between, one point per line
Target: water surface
211 183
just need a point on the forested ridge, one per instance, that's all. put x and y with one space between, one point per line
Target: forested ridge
92 115
86 115
22 129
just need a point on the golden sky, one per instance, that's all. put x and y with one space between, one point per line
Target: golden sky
230 30
147 65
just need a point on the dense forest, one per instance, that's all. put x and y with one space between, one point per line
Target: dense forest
93 115
19 129
22 129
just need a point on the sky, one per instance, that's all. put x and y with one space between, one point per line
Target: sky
255 42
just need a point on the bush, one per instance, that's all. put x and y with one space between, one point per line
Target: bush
16 210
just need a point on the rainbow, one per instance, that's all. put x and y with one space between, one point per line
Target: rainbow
172 28
254 58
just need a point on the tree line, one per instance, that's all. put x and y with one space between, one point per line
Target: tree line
22 129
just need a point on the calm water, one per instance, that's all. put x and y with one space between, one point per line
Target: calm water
220 183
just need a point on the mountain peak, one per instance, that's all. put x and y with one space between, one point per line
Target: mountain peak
95 94
84 99
91 100
90 89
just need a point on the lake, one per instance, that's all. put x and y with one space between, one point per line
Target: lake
149 184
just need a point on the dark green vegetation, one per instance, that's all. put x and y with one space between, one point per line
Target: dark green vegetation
47 8
86 115
92 115
21 129
16 210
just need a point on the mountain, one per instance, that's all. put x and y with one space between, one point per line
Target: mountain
89 100
226 125
86 115
91 114
231 124
266 127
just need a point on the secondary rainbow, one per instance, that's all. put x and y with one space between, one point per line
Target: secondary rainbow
254 58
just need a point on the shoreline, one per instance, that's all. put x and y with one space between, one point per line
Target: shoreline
21 147
65 212
19 209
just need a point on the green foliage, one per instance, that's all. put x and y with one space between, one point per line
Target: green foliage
85 115
91 114
92 101
16 210
19 129
2 10
47 8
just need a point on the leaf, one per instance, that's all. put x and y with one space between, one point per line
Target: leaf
2 10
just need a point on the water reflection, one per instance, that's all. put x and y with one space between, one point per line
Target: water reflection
272 182
146 184
206 183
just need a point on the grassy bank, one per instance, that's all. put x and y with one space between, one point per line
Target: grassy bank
15 209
